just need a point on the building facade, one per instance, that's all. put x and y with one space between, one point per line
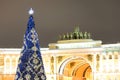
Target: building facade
70 59
65 63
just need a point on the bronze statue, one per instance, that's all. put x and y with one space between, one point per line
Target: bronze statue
75 35
85 35
67 36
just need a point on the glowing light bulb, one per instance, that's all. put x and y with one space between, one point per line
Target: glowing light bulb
31 11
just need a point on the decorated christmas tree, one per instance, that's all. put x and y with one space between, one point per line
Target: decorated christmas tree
30 65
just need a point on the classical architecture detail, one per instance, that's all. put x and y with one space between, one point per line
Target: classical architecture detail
75 59
75 35
75 39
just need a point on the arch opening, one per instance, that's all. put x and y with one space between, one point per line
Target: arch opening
76 69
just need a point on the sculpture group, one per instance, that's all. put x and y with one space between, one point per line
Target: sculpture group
75 35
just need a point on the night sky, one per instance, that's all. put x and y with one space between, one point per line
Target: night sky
53 17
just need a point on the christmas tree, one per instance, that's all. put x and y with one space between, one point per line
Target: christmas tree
30 65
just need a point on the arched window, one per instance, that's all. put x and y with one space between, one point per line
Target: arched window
110 56
13 66
7 65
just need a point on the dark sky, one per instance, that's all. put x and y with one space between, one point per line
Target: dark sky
53 17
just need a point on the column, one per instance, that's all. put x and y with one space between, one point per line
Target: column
101 63
55 67
94 66
10 66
